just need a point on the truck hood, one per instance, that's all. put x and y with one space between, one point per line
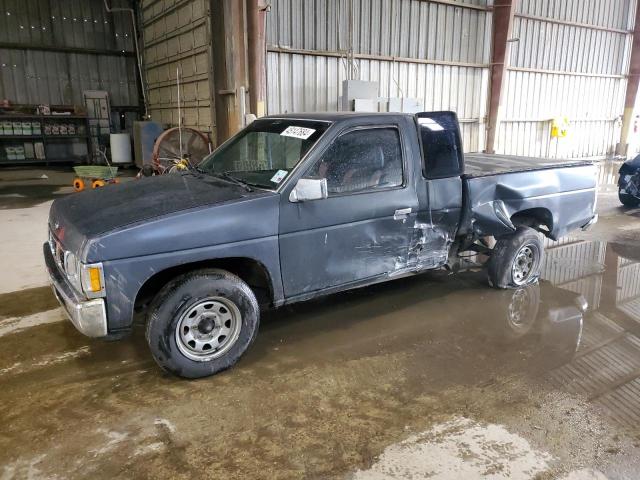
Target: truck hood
81 216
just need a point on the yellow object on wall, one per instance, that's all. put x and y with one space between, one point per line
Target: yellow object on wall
559 127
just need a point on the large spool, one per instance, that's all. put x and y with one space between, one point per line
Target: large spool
120 148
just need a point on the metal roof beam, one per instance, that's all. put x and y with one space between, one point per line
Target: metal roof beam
53 48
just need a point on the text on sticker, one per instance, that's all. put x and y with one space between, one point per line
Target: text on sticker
298 132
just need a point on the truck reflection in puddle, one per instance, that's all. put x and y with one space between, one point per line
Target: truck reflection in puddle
451 328
578 329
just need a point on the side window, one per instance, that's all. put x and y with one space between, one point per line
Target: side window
361 160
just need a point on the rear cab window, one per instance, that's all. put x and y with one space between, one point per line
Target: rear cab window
439 135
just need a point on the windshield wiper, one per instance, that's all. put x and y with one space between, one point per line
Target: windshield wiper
232 179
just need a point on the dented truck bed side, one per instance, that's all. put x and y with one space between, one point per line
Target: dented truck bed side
498 187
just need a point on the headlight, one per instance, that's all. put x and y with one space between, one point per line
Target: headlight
72 269
84 278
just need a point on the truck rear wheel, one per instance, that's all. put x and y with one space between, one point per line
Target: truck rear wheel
516 259
628 200
202 322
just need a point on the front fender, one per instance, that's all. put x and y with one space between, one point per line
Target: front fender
125 277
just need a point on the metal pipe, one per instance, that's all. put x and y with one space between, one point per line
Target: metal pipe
138 57
55 48
564 72
453 3
179 112
366 56
557 21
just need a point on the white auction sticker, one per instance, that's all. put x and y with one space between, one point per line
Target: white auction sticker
280 174
298 132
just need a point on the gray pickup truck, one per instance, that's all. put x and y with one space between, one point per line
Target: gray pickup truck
294 207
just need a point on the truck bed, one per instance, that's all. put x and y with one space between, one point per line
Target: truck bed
484 164
560 192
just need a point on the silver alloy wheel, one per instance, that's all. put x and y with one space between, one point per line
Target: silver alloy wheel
524 264
208 329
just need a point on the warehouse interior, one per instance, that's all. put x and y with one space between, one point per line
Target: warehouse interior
544 63
419 377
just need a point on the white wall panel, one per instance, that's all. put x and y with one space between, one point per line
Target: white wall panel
433 52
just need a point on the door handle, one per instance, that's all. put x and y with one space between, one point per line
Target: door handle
401 213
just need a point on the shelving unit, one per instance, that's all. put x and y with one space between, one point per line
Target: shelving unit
42 141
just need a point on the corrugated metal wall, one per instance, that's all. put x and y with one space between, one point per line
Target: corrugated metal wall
569 58
177 34
435 52
39 74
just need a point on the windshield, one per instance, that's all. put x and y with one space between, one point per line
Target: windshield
265 152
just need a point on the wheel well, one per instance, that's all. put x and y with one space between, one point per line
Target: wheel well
540 219
250 271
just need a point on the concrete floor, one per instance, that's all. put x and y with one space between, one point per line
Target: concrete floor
427 377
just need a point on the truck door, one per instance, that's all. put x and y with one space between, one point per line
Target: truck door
361 230
439 189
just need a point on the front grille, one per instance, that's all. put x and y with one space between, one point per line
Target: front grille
56 250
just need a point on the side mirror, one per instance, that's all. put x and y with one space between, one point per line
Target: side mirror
309 189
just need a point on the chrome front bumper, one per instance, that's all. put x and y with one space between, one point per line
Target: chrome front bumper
88 316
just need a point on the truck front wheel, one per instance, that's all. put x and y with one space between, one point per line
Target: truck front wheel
516 259
202 322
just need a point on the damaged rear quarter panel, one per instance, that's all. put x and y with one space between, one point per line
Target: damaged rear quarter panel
567 193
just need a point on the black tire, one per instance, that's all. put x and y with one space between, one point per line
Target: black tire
186 293
505 254
628 200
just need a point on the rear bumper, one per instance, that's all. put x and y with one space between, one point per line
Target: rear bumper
590 223
88 316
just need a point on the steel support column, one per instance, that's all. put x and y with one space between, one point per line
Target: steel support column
256 55
228 23
503 11
632 87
